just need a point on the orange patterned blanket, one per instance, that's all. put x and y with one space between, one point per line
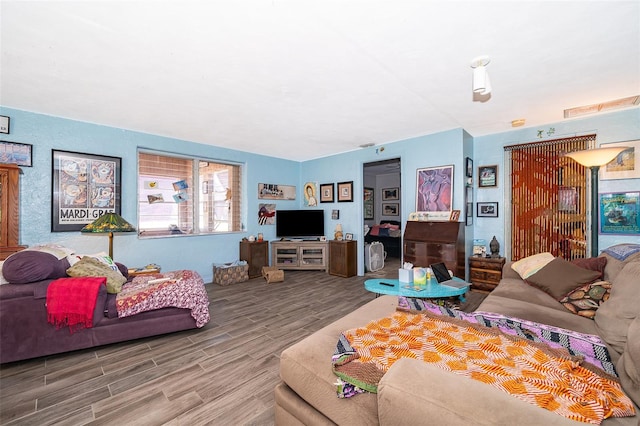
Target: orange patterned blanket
533 372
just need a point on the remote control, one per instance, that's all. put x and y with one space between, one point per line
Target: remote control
387 284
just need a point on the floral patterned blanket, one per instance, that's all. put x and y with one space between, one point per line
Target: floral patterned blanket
549 377
179 289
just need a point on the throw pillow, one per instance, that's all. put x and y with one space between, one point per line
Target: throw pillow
102 257
586 300
90 267
29 266
592 264
622 251
532 264
559 277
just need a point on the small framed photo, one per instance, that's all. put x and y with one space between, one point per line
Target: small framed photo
348 237
326 193
335 214
455 215
345 192
390 194
487 209
4 124
16 153
469 169
391 209
323 238
487 176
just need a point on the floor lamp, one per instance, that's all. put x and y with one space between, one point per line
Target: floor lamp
593 159
108 224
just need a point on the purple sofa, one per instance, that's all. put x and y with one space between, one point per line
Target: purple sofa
25 332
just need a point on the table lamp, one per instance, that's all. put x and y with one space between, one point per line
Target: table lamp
109 223
594 158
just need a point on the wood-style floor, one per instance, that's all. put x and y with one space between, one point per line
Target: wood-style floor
221 374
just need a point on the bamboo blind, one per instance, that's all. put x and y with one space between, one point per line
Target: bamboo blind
548 198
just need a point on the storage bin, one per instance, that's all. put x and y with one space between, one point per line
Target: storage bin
230 274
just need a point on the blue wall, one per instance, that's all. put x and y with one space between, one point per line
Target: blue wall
200 252
193 252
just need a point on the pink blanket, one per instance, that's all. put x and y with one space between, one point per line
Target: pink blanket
179 289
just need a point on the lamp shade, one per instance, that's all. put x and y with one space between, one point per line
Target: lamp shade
596 156
109 222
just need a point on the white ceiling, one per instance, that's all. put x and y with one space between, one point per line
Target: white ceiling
306 79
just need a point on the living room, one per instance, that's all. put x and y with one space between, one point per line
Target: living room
145 378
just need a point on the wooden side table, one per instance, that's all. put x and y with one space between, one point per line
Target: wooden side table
256 253
485 272
342 258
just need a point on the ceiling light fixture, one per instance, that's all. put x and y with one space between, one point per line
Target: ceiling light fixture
481 83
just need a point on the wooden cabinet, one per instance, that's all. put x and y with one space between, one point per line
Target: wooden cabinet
299 254
9 210
256 253
485 272
425 243
342 258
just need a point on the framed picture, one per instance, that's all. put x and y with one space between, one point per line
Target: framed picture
468 203
469 170
326 193
455 215
624 166
4 124
335 214
348 237
391 209
434 189
345 191
620 213
390 194
568 199
367 203
323 238
310 194
16 153
487 209
83 188
272 191
487 176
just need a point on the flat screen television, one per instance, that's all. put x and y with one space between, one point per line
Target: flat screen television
304 224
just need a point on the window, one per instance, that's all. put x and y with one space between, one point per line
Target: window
187 196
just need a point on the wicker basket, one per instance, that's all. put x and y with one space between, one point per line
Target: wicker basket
225 275
272 274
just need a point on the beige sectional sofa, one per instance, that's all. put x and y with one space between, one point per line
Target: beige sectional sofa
414 393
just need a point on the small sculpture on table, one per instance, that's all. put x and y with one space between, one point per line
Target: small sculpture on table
494 246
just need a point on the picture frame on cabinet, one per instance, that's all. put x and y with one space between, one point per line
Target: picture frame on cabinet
83 188
348 237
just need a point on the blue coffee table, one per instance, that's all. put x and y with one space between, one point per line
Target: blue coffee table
430 290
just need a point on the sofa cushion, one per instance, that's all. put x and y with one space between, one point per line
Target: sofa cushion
559 278
586 300
29 266
91 267
531 264
593 264
628 366
616 314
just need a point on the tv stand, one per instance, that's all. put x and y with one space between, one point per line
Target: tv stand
299 255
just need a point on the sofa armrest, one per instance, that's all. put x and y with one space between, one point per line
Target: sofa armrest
412 391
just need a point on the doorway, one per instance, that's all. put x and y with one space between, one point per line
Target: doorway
382 206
